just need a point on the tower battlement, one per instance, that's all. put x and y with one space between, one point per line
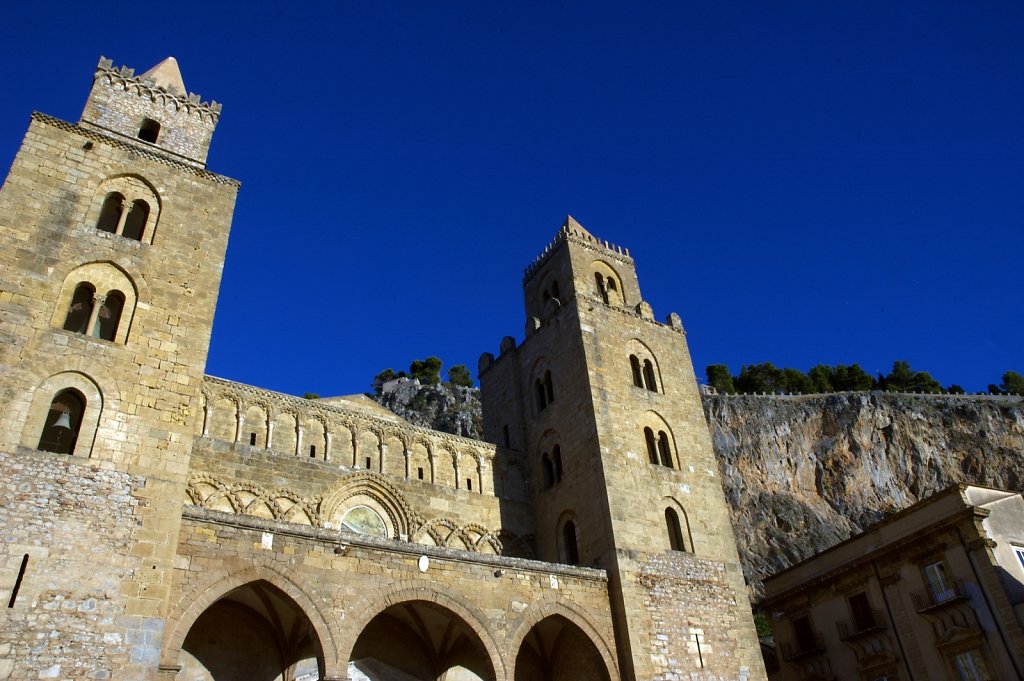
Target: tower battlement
572 230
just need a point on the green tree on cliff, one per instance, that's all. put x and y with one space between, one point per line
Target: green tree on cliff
428 370
458 375
720 379
1013 384
903 379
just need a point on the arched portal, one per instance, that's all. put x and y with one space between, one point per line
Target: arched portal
419 640
556 649
255 632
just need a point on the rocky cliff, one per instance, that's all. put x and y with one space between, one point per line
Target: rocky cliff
802 473
444 407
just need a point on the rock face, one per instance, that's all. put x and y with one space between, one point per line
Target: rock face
803 473
444 407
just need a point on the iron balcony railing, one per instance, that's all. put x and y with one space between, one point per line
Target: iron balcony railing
808 646
869 622
938 597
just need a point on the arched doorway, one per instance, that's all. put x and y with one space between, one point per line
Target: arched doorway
253 633
555 649
419 641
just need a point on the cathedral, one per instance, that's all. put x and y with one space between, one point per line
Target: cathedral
160 524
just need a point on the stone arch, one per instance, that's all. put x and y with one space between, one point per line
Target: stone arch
651 423
341 442
285 432
364 612
108 281
368 441
608 283
541 384
224 419
214 586
43 397
374 491
254 430
314 436
445 465
647 365
137 195
394 457
553 606
421 455
567 538
685 534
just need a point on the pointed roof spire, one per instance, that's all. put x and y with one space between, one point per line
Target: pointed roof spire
167 75
570 225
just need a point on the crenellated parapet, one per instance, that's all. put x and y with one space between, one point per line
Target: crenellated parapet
125 79
574 231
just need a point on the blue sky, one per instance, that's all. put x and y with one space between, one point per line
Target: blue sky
803 182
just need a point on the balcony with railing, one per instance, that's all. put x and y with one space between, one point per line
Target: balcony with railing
936 598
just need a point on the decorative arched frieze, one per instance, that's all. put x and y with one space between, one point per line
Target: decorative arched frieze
374 487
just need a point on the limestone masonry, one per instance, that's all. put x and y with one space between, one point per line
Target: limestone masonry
158 523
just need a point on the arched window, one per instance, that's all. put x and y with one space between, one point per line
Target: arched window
80 310
556 462
570 551
135 223
63 421
601 290
549 471
634 364
652 446
109 316
540 394
149 131
554 291
675 531
110 213
664 450
611 284
549 389
649 381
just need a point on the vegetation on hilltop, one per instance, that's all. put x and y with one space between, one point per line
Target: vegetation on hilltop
769 379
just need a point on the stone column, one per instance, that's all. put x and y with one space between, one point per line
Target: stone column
123 217
327 444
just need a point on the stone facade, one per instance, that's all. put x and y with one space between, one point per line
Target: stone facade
161 523
934 592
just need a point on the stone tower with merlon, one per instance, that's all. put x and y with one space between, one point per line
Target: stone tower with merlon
108 295
603 401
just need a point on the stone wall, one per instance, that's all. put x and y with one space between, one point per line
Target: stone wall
75 523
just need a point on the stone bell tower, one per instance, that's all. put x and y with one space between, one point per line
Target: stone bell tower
602 400
115 237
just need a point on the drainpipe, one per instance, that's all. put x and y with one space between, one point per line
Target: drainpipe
892 621
984 594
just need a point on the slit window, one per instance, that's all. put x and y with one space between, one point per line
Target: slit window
368 463
63 420
419 473
312 451
149 131
469 484
252 439
569 547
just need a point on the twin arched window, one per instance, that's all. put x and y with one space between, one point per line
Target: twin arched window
659 451
643 373
552 463
124 218
94 315
544 391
